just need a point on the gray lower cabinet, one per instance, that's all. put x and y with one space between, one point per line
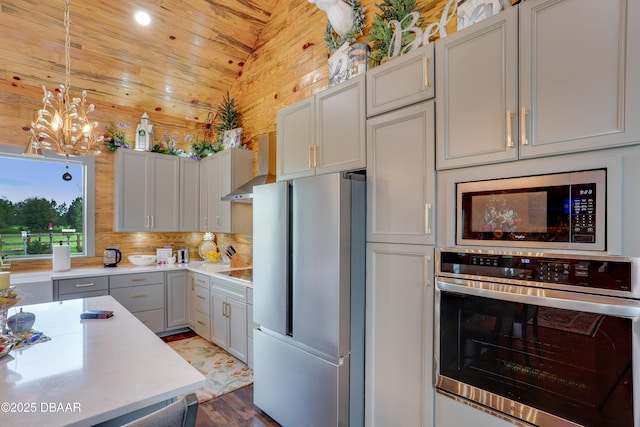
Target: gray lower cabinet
229 317
199 318
143 295
80 287
177 296
250 327
399 334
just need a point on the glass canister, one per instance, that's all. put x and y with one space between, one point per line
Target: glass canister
358 59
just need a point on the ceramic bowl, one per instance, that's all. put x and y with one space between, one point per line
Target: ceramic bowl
141 260
21 322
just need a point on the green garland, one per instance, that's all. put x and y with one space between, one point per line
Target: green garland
381 32
333 41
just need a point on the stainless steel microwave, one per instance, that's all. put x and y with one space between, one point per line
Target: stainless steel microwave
555 211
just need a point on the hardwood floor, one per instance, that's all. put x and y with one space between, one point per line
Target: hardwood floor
235 409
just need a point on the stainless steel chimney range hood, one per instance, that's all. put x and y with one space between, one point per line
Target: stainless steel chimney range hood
266 171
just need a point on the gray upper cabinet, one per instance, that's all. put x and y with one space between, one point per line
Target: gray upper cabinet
295 139
221 173
542 78
400 82
189 194
401 176
146 191
324 133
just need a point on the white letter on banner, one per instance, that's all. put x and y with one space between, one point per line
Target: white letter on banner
395 43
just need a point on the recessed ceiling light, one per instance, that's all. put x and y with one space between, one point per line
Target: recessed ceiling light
143 18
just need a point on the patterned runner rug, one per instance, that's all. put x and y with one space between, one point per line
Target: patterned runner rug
224 373
570 321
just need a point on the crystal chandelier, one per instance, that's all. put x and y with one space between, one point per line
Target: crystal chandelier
61 125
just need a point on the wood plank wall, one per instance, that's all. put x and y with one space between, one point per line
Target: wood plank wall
288 64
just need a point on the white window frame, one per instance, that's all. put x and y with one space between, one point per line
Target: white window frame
89 196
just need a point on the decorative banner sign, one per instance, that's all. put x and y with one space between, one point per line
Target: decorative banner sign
423 37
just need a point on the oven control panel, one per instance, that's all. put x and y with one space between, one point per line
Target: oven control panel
610 273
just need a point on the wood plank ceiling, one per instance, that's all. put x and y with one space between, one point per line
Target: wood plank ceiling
188 57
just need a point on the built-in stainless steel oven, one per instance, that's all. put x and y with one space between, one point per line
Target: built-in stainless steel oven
547 339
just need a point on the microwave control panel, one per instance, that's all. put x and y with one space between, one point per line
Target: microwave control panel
583 213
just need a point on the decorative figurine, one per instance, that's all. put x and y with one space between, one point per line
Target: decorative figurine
144 134
340 14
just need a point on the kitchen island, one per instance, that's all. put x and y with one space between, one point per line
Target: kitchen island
91 371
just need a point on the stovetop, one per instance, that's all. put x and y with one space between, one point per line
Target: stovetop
245 274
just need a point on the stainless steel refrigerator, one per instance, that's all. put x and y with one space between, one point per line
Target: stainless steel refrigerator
309 300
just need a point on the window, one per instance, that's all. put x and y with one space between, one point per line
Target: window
45 201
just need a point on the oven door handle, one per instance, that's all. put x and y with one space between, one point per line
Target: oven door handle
577 301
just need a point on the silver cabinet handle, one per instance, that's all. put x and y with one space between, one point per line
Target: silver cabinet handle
309 156
427 219
425 62
523 126
200 296
427 261
85 285
201 322
139 296
141 279
146 221
153 221
509 131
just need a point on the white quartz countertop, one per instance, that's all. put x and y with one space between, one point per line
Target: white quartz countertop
209 269
91 370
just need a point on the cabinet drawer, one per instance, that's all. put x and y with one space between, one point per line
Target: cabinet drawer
152 319
201 325
140 298
200 300
83 284
229 289
87 294
125 280
200 280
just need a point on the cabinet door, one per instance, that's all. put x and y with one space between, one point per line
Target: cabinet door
164 192
401 176
147 191
177 295
237 320
295 140
199 305
189 194
478 93
207 180
235 167
579 88
399 334
401 82
340 127
131 182
219 326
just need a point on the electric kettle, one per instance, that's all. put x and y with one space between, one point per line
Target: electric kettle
111 257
